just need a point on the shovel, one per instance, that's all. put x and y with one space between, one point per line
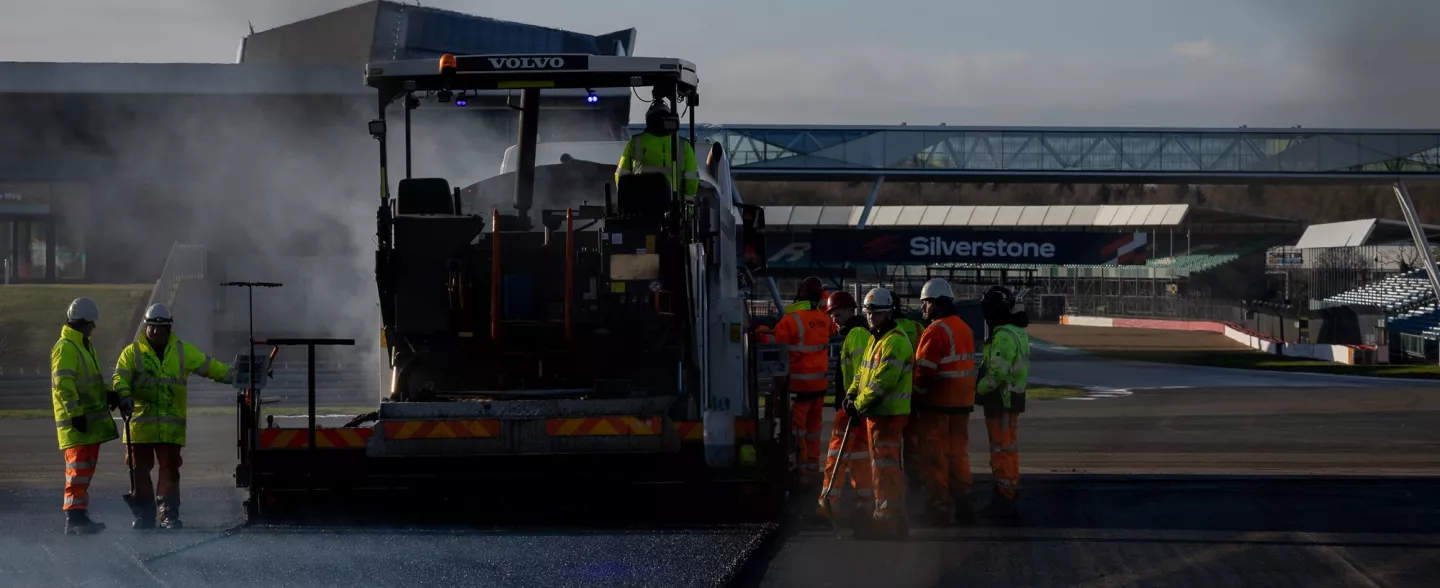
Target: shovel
830 485
135 503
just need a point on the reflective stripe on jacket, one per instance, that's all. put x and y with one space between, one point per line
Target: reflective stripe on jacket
882 381
806 333
77 389
158 387
945 365
1006 367
655 158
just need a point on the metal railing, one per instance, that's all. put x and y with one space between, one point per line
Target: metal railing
185 263
1412 345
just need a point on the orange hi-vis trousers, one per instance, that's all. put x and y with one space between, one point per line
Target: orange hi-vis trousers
853 460
1004 449
807 421
945 456
79 467
886 434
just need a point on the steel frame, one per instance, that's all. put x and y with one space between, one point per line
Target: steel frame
1040 153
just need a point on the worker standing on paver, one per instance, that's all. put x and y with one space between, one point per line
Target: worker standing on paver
1004 375
82 404
881 394
806 331
853 459
153 371
651 151
944 399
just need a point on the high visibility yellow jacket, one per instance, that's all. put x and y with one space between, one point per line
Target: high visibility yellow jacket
882 381
647 153
911 329
77 389
158 386
852 354
1005 371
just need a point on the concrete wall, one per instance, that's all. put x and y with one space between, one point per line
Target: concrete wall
1337 353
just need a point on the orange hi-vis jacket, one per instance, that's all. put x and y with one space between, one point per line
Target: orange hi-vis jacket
807 332
945 367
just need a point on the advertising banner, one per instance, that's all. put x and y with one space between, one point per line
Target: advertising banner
928 246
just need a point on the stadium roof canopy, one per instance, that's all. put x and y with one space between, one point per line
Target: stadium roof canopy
324 55
390 31
1357 233
1087 216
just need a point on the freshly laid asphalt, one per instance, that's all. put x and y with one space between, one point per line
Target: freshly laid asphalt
1180 484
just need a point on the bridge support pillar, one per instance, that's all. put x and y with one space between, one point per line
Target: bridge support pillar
870 202
1407 207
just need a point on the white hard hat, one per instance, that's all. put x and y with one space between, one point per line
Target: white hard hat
158 315
83 309
936 288
879 300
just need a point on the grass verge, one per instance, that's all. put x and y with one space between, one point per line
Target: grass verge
1052 393
37 413
31 316
1254 360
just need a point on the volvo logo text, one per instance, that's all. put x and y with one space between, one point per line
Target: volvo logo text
527 62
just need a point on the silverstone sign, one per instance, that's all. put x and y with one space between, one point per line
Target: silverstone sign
975 247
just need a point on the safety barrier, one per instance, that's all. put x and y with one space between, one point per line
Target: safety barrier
1346 354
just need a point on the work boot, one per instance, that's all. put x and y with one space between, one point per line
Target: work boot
77 522
1000 507
964 509
146 519
170 513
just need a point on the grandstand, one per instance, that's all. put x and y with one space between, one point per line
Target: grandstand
1396 294
1183 239
1367 263
1190 253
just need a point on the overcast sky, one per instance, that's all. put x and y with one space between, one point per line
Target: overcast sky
1221 63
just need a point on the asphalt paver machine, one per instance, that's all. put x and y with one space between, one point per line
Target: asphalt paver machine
603 343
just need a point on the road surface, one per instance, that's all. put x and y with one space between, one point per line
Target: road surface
1326 485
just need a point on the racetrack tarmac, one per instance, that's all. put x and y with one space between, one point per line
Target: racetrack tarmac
1057 358
1198 486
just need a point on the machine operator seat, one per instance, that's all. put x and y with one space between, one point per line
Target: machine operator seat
643 196
425 196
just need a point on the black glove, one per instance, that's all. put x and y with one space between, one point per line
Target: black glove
80 424
113 398
850 408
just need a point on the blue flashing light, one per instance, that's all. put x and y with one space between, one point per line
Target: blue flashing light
461 102
591 98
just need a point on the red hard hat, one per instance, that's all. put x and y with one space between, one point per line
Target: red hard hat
810 288
840 301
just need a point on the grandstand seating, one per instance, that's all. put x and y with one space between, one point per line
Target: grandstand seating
1423 321
1396 294
1194 263
1407 300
